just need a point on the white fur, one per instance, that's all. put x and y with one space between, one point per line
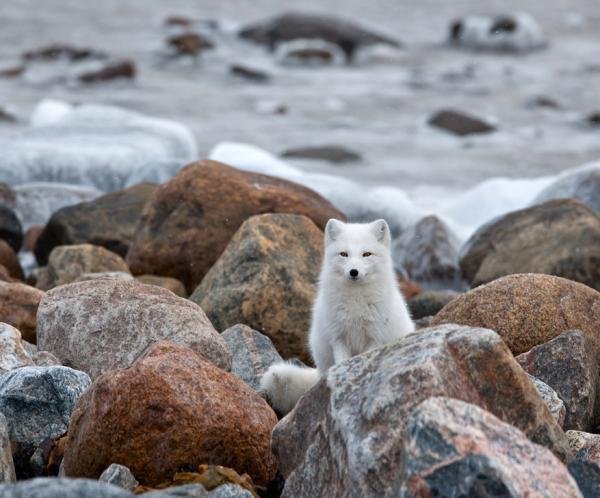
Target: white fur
350 315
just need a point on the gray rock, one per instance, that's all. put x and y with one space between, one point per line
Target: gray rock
568 364
330 153
37 403
105 324
344 437
48 487
45 359
119 275
252 353
456 449
587 476
198 491
12 353
119 475
579 440
428 303
459 123
553 402
7 466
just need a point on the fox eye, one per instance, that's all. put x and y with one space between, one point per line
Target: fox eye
367 254
344 254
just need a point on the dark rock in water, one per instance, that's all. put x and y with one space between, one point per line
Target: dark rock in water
309 53
61 51
527 310
569 365
8 196
559 237
249 73
183 21
594 118
122 69
295 25
103 324
119 475
587 476
10 228
428 303
171 410
545 102
266 279
37 403
189 44
252 353
7 115
187 225
353 422
331 153
460 123
550 397
456 449
12 71
49 487
428 252
108 221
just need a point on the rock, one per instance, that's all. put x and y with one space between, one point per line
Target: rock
12 353
460 123
296 25
252 353
527 310
249 73
31 237
63 51
352 423
199 491
37 403
428 252
189 44
544 102
569 365
309 53
119 475
559 237
579 440
49 487
174 285
113 70
44 359
84 145
593 119
11 230
454 448
10 261
587 476
171 409
67 263
177 20
108 221
190 220
330 153
505 33
428 303
553 402
266 279
18 307
104 324
582 183
118 275
7 466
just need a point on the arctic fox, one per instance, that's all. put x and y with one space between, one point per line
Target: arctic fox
358 307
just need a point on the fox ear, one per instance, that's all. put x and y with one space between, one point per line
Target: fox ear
381 230
332 230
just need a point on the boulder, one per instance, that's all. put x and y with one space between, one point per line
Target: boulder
108 221
12 353
109 71
119 475
11 229
428 303
189 44
199 491
174 285
67 263
10 261
460 123
330 153
345 436
31 237
296 25
18 307
252 353
587 476
7 466
579 440
44 359
553 402
266 279
428 252
569 365
37 403
62 51
104 324
527 310
190 220
249 73
560 237
171 410
49 487
454 448
119 275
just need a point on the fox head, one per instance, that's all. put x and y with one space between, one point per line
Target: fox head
357 252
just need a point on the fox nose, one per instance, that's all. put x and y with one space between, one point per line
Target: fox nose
354 273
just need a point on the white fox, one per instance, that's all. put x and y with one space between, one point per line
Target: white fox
358 307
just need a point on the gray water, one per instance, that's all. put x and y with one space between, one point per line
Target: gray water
378 108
